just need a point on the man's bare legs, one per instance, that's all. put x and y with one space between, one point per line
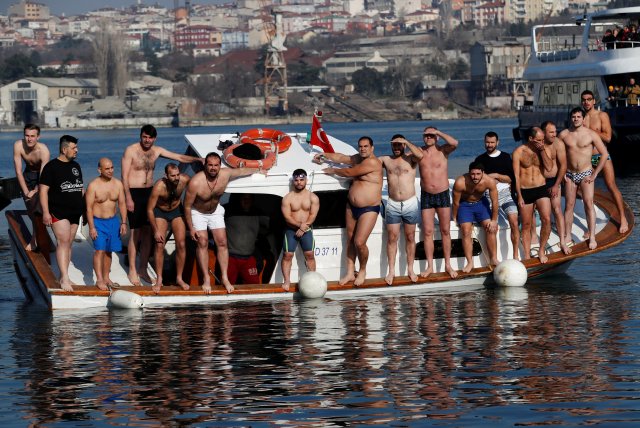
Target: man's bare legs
544 209
351 249
287 260
410 248
364 226
588 190
98 268
393 234
141 236
467 245
180 235
570 194
428 228
444 218
202 257
162 226
222 252
526 214
64 232
515 234
610 181
556 208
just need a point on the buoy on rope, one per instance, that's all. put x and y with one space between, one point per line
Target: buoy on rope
312 285
122 299
510 273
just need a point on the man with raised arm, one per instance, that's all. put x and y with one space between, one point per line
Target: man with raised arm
35 156
470 205
435 197
599 122
104 197
403 206
580 143
365 195
555 151
499 166
61 198
138 164
165 209
531 187
299 209
203 212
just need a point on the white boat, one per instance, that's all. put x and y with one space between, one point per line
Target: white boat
38 277
568 58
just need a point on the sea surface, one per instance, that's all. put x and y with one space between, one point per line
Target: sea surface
561 351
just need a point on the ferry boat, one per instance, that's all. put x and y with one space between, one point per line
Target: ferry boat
38 277
568 58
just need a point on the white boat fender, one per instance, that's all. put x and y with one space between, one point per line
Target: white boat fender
312 285
510 273
123 299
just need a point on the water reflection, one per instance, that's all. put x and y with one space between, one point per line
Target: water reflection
332 362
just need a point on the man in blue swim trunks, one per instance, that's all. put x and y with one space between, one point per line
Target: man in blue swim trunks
531 187
435 196
165 210
470 205
105 196
299 209
365 196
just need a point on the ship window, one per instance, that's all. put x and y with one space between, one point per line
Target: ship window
332 209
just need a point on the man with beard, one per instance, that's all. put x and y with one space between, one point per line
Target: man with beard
599 122
104 196
580 143
365 196
435 197
402 205
165 209
61 198
470 205
299 209
138 164
499 166
203 212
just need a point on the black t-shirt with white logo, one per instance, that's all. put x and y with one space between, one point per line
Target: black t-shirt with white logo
65 187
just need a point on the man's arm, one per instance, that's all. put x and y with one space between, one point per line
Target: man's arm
241 172
44 203
162 152
17 163
315 208
334 157
122 206
458 188
127 160
516 174
151 204
189 198
561 159
604 155
285 207
90 198
450 143
364 167
415 152
606 132
495 206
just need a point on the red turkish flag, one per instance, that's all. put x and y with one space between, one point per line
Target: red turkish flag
319 137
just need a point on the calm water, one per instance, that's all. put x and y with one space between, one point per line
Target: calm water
563 351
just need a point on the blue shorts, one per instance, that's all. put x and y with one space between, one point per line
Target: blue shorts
291 241
407 212
469 212
108 234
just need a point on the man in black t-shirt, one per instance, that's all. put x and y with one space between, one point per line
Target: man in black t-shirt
61 197
498 165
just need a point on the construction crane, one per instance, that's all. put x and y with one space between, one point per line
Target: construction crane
275 66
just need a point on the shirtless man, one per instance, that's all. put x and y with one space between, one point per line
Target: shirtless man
365 196
435 196
402 206
203 212
580 143
599 122
470 205
138 164
165 209
531 187
35 155
104 196
555 153
299 209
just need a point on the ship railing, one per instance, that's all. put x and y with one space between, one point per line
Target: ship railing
544 108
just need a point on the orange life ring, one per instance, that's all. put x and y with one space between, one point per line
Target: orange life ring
235 161
268 139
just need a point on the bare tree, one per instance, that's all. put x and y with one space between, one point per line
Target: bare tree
111 58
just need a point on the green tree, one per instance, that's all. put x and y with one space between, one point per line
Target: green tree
367 81
302 74
459 69
17 67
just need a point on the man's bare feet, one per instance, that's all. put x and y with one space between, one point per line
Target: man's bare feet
347 278
413 277
494 262
134 280
624 225
146 278
425 273
585 235
31 246
389 278
101 285
182 284
157 286
467 268
227 285
452 273
362 274
592 243
66 285
286 285
542 257
206 288
565 248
